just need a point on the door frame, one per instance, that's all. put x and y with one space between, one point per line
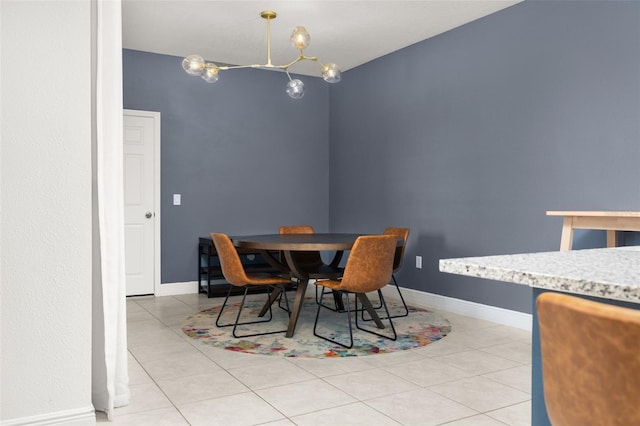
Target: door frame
156 191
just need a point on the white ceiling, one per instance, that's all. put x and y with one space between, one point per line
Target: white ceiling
348 33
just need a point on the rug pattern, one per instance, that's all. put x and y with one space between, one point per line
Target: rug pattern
420 328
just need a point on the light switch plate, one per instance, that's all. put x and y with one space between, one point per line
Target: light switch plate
177 199
419 262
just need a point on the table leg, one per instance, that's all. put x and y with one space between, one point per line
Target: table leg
566 241
372 312
297 306
612 238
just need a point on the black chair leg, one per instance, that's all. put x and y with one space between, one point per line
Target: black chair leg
404 304
236 323
241 305
395 335
235 326
315 324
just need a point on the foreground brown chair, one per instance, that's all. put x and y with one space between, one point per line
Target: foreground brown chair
235 274
590 361
368 269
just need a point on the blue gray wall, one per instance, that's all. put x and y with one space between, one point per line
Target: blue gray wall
245 157
469 138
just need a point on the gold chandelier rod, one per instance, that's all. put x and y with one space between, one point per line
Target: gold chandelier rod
196 65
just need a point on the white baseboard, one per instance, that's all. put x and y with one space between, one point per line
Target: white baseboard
464 307
412 297
176 289
75 417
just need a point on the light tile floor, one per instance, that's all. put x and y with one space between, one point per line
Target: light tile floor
479 375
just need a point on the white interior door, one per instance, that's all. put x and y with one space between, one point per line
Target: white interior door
141 215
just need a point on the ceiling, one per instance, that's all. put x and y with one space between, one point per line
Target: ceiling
348 33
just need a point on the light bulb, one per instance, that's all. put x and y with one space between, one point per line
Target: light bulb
193 64
295 89
300 38
210 74
331 73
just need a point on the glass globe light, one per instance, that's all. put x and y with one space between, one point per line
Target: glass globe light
193 64
295 89
331 73
210 73
300 38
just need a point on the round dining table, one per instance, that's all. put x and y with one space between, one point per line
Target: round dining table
290 243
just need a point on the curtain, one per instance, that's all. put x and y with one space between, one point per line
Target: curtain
110 378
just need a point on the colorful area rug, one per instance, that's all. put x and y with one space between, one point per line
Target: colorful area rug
420 328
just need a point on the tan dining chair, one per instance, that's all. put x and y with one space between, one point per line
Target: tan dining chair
590 361
368 269
235 274
397 262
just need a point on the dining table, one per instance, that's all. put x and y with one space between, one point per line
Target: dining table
288 244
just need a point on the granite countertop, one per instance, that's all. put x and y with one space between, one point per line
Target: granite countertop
610 273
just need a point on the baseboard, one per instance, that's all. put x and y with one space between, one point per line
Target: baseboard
75 417
176 289
464 307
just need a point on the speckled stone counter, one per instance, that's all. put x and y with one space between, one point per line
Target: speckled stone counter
611 273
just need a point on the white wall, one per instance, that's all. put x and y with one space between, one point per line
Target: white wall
45 234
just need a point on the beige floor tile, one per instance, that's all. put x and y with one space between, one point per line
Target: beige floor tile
137 375
365 385
304 397
516 351
477 362
420 407
427 372
518 377
200 387
282 422
231 359
160 350
358 414
139 315
442 347
162 417
478 339
144 397
478 420
179 365
137 337
480 393
276 373
514 415
325 367
463 322
394 358
237 410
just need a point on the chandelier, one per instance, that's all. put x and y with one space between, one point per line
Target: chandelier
300 39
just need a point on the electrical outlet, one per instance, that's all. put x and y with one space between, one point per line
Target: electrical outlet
418 262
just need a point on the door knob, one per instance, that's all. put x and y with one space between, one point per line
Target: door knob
148 215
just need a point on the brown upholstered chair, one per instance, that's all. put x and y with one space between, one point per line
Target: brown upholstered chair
235 274
590 361
368 269
397 262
